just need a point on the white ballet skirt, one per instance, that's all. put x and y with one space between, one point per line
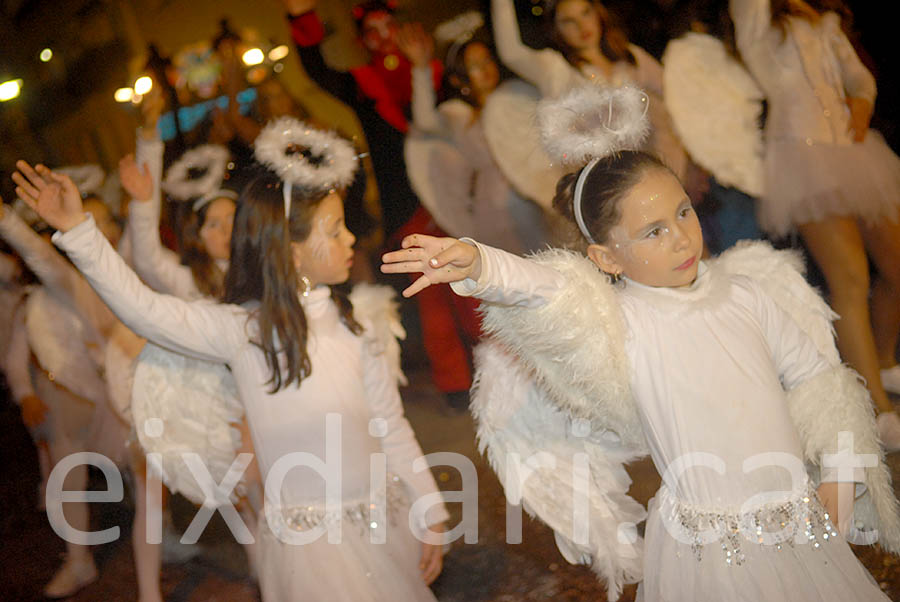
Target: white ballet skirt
809 182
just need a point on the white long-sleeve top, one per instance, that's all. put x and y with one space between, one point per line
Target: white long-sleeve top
158 266
348 377
710 368
553 75
807 72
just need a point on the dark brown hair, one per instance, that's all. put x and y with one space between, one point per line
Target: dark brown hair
613 41
607 183
210 280
262 271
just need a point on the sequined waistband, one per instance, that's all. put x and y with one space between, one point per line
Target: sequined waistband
797 519
369 514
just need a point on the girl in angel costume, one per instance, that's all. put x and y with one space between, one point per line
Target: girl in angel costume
198 273
449 162
725 372
315 373
829 177
56 366
587 47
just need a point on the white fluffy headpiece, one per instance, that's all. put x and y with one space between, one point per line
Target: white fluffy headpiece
592 121
88 178
210 160
305 157
460 28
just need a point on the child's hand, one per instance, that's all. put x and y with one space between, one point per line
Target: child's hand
432 556
136 181
53 196
838 499
417 45
860 116
438 259
34 411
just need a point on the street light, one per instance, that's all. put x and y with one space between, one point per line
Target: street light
143 85
45 55
254 56
10 89
278 53
124 95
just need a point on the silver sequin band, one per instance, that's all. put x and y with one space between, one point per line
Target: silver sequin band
797 520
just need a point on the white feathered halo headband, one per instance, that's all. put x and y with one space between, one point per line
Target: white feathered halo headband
457 31
304 157
589 123
198 176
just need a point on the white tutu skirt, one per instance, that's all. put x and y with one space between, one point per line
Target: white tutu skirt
798 573
807 183
354 570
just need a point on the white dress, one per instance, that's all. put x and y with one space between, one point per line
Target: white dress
813 168
453 172
350 383
708 365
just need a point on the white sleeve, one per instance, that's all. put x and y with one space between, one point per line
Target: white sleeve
157 266
18 358
399 443
425 115
752 20
508 279
543 68
55 273
202 329
858 81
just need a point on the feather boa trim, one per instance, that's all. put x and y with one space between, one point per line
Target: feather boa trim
585 376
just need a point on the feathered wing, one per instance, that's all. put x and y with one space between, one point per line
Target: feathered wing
715 105
375 307
832 402
553 384
184 405
560 472
510 127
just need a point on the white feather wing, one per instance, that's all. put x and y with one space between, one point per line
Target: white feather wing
537 450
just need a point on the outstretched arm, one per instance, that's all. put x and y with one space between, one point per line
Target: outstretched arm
205 330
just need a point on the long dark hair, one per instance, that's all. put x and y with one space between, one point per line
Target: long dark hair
613 41
262 271
208 277
608 182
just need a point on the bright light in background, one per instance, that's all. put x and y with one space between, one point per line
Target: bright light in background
254 56
278 53
124 95
143 85
10 89
45 55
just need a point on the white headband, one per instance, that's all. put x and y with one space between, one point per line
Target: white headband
579 187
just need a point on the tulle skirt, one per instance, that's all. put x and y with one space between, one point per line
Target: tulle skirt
354 570
809 182
798 573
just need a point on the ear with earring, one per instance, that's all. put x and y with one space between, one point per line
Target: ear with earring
305 286
615 277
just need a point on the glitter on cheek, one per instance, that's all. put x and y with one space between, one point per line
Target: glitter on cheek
318 241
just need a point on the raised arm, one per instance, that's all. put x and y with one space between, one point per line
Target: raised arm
201 329
419 49
157 266
546 68
752 21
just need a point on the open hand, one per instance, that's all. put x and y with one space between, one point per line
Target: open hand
437 259
136 181
417 45
432 556
860 116
52 196
34 411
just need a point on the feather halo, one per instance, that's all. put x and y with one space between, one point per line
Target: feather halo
305 157
591 121
198 173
